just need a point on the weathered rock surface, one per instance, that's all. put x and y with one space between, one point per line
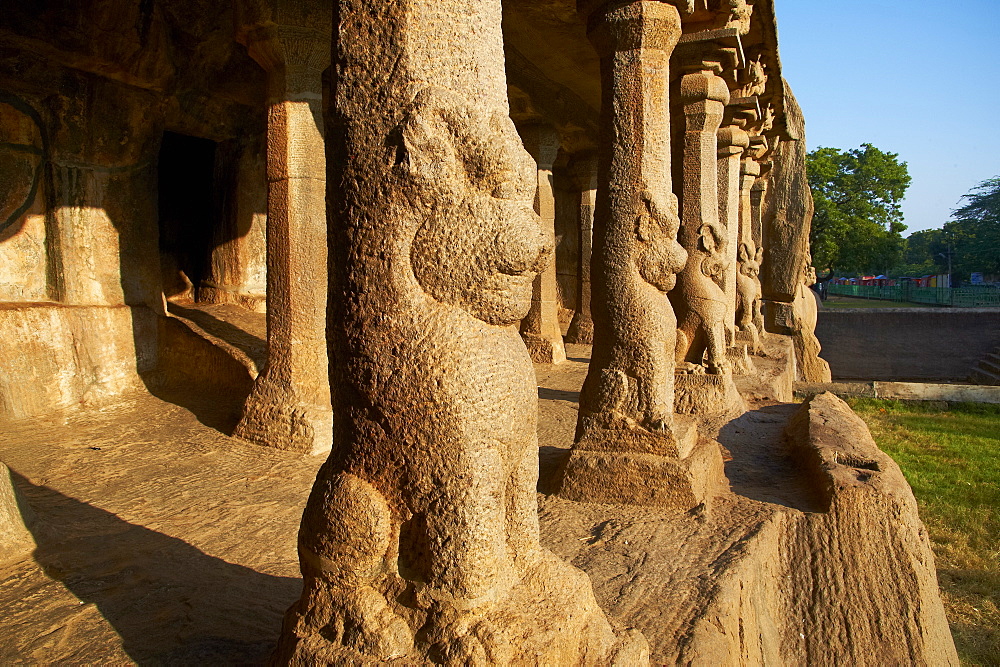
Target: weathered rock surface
114 490
885 607
61 356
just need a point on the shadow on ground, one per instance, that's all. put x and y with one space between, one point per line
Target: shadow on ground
544 393
168 601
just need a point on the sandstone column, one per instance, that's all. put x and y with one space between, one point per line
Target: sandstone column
289 406
732 141
581 328
540 328
420 540
629 446
705 385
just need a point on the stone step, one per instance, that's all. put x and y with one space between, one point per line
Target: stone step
980 376
990 365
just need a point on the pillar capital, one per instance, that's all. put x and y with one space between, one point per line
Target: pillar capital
583 170
750 168
542 143
732 141
289 39
294 57
649 25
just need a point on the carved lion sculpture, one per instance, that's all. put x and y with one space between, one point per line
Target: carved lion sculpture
640 387
420 537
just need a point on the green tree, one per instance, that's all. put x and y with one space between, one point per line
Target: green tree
858 223
974 231
920 254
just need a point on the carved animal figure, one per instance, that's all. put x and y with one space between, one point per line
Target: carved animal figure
639 386
424 520
701 304
748 292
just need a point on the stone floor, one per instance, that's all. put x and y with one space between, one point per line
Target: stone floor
162 540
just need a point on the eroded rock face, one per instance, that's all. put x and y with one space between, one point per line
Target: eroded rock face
420 539
789 307
886 607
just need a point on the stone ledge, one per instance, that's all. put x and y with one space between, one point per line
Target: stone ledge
903 391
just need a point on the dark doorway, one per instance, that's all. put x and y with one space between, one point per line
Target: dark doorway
187 211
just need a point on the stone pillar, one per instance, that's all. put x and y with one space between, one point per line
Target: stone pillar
581 328
732 141
749 321
699 298
289 405
705 384
757 192
749 172
420 541
629 447
540 328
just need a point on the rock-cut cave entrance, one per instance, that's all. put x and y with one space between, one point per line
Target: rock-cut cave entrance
188 211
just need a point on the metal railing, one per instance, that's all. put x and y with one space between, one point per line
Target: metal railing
958 297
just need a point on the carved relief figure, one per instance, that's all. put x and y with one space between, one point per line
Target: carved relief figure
421 533
701 301
756 83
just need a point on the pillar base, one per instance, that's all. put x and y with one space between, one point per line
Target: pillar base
270 419
581 330
750 338
544 350
707 396
686 474
739 358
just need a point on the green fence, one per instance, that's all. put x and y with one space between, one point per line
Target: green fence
959 297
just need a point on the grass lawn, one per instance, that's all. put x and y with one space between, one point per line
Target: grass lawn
835 301
951 457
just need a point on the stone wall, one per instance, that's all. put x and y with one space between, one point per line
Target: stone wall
87 91
920 344
57 357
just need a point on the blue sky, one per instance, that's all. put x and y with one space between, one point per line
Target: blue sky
920 78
